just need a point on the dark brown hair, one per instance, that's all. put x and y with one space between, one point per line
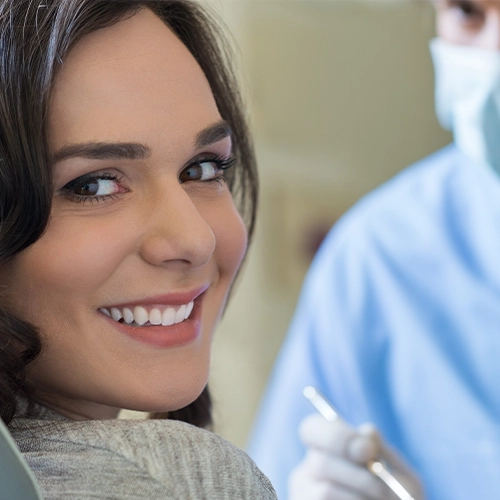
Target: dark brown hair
35 37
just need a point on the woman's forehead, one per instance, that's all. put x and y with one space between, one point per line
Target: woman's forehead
129 82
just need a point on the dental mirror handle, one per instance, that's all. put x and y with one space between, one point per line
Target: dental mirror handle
374 466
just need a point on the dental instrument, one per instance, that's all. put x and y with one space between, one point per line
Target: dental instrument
376 467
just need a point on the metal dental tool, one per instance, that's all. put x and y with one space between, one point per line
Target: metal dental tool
376 467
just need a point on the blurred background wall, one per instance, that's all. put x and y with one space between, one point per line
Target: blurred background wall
340 97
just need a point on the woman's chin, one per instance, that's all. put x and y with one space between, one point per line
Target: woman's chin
164 403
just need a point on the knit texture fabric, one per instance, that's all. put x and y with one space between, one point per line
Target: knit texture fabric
133 460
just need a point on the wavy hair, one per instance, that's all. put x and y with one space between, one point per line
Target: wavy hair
35 37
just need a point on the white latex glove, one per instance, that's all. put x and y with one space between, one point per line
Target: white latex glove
334 467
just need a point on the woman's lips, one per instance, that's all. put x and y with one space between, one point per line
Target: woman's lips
160 321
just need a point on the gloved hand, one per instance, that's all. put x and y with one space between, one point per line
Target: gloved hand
334 467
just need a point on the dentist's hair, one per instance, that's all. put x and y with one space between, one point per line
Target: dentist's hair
35 37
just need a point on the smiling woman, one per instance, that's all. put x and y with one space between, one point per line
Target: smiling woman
125 157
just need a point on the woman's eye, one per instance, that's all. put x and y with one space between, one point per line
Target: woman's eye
93 187
97 187
200 172
206 170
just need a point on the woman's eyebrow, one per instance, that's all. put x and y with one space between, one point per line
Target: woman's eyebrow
103 151
132 150
212 134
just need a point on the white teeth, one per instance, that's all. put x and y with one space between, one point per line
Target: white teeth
168 317
116 314
155 317
180 314
141 316
128 315
189 308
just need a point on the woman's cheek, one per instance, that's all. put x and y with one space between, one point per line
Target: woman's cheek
77 254
231 241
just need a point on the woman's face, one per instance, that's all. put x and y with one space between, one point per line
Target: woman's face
143 229
469 22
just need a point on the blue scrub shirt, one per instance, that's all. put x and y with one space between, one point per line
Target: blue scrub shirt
399 324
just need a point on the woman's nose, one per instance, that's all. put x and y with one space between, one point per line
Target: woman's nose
175 232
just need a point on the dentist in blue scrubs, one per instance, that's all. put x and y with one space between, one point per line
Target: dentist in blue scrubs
398 323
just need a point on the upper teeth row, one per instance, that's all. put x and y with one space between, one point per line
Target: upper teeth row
166 315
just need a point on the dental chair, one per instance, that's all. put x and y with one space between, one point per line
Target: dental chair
17 482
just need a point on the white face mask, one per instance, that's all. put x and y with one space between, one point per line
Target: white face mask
468 98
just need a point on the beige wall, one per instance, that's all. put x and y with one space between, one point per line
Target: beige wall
340 97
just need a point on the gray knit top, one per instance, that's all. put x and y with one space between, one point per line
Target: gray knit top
134 460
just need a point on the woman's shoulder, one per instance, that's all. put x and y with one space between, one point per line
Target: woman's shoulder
181 460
